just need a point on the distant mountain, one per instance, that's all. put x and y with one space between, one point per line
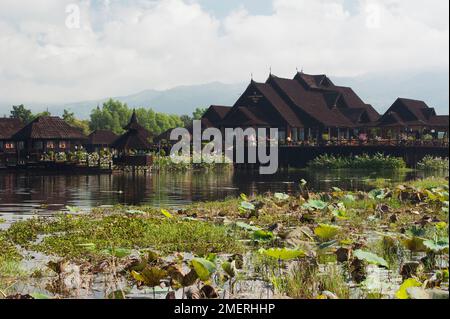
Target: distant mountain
380 90
179 100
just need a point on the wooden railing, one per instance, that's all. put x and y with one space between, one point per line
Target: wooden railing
372 142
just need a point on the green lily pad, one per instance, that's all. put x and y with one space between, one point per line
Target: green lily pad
315 204
326 232
283 253
203 267
371 258
247 226
402 292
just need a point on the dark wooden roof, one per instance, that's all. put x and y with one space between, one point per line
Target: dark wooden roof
311 102
353 101
268 103
356 115
246 117
214 115
310 81
9 127
132 140
279 104
416 107
439 121
102 137
136 137
409 112
49 128
392 119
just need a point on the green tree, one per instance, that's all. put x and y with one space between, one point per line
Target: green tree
83 125
198 113
114 115
20 112
187 120
45 113
68 117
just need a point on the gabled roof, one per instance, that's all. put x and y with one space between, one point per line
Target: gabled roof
392 119
102 137
416 107
9 127
137 137
215 114
132 140
49 127
310 81
414 113
246 116
281 111
311 102
439 121
357 116
221 110
332 91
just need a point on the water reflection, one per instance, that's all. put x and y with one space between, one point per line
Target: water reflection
23 193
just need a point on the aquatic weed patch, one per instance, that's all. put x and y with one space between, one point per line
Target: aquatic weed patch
87 236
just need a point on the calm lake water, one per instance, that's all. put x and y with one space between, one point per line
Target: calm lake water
25 194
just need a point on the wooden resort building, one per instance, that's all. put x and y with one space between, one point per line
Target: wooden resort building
412 118
8 149
100 140
136 139
310 109
46 135
307 107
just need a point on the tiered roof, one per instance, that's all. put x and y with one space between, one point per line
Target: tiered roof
135 138
306 100
102 137
408 112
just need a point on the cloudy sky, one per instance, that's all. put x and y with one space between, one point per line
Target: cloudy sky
55 51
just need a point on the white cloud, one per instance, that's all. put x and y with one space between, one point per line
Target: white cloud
126 46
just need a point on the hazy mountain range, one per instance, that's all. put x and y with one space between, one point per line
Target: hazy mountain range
378 90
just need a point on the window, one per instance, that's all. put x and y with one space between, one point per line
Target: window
294 134
1 145
282 135
302 134
10 146
50 145
62 145
21 145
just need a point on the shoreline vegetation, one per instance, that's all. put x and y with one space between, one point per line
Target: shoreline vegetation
390 242
376 162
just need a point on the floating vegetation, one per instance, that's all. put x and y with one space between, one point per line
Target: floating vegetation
183 164
430 163
378 162
390 242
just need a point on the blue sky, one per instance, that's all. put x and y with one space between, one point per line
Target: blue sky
221 8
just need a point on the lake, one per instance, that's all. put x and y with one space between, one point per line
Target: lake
24 194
